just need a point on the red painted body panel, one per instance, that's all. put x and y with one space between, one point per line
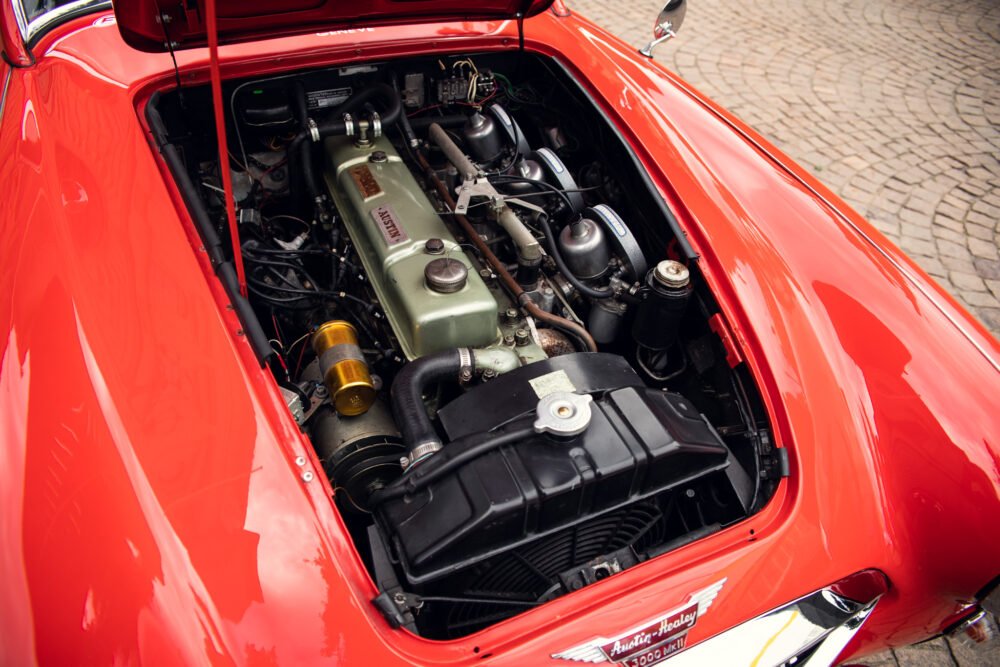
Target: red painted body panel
152 507
245 20
14 51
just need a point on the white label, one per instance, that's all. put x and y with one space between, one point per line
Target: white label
331 97
550 157
610 217
552 382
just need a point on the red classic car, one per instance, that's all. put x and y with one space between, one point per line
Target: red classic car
437 333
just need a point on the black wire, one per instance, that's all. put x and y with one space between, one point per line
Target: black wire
479 600
283 278
289 265
312 293
510 178
553 247
170 47
282 251
548 194
466 449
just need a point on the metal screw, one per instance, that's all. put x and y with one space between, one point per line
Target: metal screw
508 339
403 461
465 375
489 374
522 337
511 315
399 599
300 460
322 391
307 476
485 274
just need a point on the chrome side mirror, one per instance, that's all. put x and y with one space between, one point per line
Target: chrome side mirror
667 24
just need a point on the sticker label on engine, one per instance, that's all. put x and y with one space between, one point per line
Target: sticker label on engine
331 97
365 180
612 219
552 382
388 223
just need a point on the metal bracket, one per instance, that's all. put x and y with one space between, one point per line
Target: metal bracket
523 204
668 34
474 188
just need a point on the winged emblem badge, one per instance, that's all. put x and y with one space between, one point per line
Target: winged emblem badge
651 642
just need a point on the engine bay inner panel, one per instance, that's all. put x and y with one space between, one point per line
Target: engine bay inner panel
475 305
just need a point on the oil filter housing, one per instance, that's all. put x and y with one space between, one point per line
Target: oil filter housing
343 367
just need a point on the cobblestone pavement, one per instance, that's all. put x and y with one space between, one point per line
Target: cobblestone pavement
894 105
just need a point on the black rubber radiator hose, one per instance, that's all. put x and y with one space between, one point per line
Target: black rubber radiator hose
336 125
408 400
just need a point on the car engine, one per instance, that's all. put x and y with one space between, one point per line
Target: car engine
487 321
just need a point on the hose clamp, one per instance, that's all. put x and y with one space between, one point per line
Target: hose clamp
419 453
465 366
313 129
348 125
376 121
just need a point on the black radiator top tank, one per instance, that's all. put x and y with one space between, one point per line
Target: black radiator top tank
639 442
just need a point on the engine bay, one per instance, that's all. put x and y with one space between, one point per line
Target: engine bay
486 320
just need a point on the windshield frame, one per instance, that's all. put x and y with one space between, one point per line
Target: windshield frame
32 31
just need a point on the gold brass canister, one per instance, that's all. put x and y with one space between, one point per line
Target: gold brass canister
343 367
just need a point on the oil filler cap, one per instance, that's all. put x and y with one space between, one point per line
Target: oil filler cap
445 275
563 414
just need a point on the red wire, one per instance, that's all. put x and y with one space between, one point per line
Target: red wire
298 364
220 131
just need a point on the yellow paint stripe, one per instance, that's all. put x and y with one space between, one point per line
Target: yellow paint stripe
756 661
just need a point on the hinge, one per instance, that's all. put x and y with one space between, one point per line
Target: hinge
520 31
721 328
775 465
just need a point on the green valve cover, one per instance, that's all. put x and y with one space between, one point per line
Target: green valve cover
390 219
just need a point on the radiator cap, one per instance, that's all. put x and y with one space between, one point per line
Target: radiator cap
563 414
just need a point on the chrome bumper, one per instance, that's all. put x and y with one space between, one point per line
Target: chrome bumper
812 630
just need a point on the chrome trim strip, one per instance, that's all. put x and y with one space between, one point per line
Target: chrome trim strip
21 18
3 94
47 20
809 631
829 650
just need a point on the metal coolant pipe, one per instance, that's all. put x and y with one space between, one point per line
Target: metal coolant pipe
586 341
466 168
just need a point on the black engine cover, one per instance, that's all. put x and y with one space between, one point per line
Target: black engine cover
640 442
